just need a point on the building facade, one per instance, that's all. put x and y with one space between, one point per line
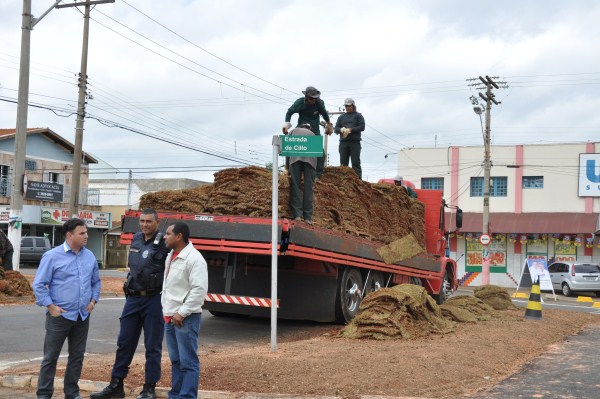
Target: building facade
544 203
48 170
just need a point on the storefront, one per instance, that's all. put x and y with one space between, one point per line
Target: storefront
47 221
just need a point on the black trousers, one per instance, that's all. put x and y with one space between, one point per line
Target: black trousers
350 151
140 313
59 329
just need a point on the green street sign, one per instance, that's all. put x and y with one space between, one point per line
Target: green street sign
301 146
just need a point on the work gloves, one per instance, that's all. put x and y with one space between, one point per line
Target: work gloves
329 128
286 126
345 132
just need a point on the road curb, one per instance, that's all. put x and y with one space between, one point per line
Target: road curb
30 381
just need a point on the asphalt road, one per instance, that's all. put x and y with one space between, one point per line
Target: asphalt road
22 329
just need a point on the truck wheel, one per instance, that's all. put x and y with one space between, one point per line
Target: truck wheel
445 290
375 281
348 295
416 281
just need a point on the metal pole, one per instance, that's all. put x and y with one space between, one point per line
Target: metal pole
485 258
16 199
77 153
274 241
129 191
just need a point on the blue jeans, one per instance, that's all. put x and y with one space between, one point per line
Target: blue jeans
182 344
59 329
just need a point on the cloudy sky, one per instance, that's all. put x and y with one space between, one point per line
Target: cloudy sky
218 77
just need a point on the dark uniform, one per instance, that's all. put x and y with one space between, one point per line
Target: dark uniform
310 114
142 308
350 146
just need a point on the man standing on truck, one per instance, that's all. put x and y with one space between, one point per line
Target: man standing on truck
142 310
186 285
302 203
349 126
308 109
67 282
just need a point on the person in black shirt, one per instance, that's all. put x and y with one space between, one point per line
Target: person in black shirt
142 310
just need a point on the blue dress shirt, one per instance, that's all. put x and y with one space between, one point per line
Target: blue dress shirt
67 279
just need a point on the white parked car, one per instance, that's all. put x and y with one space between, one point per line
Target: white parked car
575 277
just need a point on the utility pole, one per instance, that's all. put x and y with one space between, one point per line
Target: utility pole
15 223
78 152
489 98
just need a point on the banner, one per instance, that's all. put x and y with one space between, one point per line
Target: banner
538 268
93 219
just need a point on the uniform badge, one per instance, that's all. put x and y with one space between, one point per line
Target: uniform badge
145 254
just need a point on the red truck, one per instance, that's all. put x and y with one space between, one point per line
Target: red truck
323 274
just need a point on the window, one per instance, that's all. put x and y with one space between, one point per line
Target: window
53 177
498 186
4 180
27 242
533 182
30 165
432 183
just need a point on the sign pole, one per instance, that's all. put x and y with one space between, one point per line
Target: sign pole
274 240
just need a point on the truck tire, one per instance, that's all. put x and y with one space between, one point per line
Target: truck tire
375 281
348 296
445 290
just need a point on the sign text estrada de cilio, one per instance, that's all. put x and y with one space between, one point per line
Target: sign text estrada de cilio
301 146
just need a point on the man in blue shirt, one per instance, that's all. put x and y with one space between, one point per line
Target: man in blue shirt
68 284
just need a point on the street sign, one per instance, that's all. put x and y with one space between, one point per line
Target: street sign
485 239
301 146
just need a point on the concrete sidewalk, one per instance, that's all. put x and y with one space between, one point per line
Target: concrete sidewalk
23 387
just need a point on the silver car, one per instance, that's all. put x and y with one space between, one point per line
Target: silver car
574 277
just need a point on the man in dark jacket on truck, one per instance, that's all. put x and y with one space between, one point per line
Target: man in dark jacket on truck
349 126
308 109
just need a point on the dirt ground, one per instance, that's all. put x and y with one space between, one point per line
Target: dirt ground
472 358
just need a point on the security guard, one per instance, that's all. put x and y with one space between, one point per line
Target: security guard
142 310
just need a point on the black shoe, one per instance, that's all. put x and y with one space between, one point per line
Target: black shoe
148 392
114 390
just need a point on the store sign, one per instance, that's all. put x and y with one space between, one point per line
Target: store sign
589 175
44 191
93 219
4 214
496 251
565 251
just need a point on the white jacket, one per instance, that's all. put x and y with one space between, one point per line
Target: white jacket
185 284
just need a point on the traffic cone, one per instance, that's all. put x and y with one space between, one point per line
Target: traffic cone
534 305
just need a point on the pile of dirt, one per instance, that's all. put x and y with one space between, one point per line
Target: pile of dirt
343 202
466 309
404 311
407 311
13 284
496 297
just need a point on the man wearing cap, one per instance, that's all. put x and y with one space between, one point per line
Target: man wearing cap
349 126
302 202
308 109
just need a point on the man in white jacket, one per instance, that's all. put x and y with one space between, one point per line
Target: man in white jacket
184 289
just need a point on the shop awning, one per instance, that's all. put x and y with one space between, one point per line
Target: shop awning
531 223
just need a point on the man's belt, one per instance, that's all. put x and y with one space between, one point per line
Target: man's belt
142 292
